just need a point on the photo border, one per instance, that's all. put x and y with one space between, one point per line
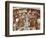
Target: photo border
7 18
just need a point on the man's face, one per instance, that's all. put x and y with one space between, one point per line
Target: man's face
32 14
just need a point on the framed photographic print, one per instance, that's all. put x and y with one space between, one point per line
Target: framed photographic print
24 18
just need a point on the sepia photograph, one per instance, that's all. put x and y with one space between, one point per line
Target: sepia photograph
24 18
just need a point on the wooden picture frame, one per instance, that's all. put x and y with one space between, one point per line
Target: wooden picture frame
11 6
